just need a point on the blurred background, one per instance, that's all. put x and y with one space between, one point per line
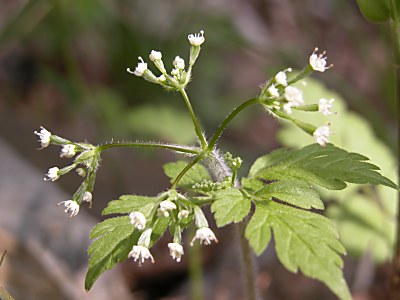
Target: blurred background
63 66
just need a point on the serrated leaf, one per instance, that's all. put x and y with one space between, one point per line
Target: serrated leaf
229 206
116 237
107 226
129 203
196 174
304 241
252 185
328 166
353 133
294 192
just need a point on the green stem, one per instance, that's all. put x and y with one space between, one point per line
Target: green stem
195 269
187 168
196 123
176 148
303 74
248 263
228 119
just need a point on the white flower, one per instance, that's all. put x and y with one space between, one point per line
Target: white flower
325 106
166 206
273 91
288 107
196 39
155 55
175 72
318 62
44 136
321 135
71 207
52 174
281 77
87 197
138 220
294 96
176 251
68 150
161 78
140 68
183 214
140 253
179 63
205 235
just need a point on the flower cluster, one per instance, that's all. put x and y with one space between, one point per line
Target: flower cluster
280 97
178 209
179 77
85 155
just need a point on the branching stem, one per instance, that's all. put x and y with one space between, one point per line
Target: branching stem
196 123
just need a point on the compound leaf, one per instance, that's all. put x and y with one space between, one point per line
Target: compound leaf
304 241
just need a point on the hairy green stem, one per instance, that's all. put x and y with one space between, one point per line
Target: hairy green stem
247 256
196 123
228 119
175 148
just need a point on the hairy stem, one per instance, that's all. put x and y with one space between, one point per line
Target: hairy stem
175 148
229 118
247 256
196 123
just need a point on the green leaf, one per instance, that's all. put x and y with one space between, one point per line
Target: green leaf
304 241
196 174
116 237
355 134
229 206
328 166
294 192
129 203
